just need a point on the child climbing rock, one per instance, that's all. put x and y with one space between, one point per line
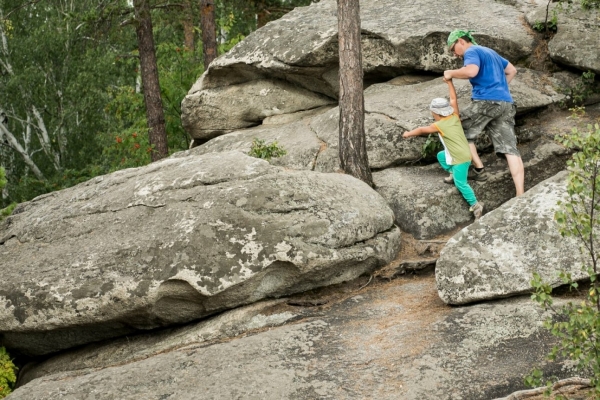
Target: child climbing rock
456 156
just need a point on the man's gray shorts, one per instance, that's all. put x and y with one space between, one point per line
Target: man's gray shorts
497 118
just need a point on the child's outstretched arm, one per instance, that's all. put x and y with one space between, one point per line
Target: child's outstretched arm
453 99
423 130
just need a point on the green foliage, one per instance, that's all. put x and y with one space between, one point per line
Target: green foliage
8 376
577 325
27 187
431 147
62 64
4 212
260 149
76 63
231 34
550 25
178 69
128 149
236 19
579 93
127 144
587 4
2 178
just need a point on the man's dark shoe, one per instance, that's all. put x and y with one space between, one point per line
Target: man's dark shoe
477 176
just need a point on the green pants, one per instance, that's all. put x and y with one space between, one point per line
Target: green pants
459 173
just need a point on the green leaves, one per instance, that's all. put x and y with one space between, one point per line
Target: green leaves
7 373
260 149
79 67
577 325
2 178
581 90
431 147
4 212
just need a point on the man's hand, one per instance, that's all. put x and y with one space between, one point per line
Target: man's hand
447 75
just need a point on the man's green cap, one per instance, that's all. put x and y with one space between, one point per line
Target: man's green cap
457 34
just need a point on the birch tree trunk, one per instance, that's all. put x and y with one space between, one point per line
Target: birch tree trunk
157 133
209 31
353 147
8 137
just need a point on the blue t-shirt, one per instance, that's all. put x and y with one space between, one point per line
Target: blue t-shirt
490 83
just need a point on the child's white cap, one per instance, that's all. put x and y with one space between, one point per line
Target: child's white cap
441 107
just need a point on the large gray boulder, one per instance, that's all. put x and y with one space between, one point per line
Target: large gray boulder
426 207
128 349
497 255
179 240
297 138
575 43
388 340
210 113
311 141
301 49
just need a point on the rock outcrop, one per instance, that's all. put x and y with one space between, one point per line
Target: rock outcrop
301 49
179 240
212 274
496 256
393 340
426 207
391 109
577 31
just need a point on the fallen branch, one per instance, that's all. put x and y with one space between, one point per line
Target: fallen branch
366 284
524 394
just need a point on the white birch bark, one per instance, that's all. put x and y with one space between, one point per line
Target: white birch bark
15 145
32 121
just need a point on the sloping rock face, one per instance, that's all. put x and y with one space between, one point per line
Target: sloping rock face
301 48
426 207
298 138
497 255
312 142
246 105
389 340
576 40
229 324
179 240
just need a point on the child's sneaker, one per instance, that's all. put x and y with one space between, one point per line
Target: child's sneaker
475 175
477 210
449 179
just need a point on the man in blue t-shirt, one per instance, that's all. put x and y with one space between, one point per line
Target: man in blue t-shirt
492 107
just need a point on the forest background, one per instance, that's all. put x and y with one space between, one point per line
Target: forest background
71 97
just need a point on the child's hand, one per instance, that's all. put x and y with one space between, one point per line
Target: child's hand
406 135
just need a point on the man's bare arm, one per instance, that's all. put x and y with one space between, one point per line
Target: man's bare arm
466 72
510 71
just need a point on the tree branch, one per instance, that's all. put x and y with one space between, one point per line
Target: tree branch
29 3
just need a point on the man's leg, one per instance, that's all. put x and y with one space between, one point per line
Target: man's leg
502 134
476 161
474 119
515 165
